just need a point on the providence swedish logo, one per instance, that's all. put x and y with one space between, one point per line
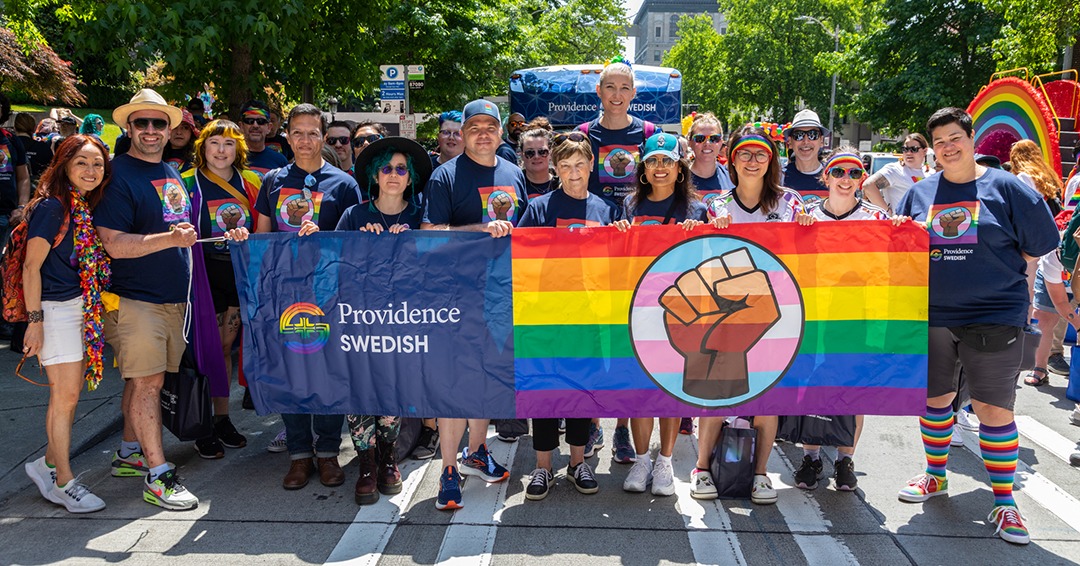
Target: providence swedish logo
302 335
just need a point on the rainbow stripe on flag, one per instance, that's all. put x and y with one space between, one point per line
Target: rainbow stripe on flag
827 319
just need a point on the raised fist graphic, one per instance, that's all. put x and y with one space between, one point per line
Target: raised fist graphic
500 204
231 216
950 221
714 314
296 209
619 161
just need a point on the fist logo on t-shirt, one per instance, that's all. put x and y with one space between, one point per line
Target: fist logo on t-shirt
174 201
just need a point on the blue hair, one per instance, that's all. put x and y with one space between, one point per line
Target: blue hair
450 116
378 162
90 125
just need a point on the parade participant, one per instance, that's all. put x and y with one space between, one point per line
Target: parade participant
663 195
274 139
709 177
1053 302
450 145
758 196
978 306
1028 164
843 174
508 149
228 191
569 206
39 152
536 162
366 133
198 112
94 125
391 172
450 202
179 152
805 137
615 138
144 221
14 175
255 123
64 273
339 139
885 188
304 197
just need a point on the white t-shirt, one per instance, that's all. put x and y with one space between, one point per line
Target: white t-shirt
1072 197
900 178
1053 272
727 204
863 211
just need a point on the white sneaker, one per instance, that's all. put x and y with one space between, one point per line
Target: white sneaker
701 485
1074 416
663 478
278 443
42 475
763 493
964 421
957 439
76 497
639 477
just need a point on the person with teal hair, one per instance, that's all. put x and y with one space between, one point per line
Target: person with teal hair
94 125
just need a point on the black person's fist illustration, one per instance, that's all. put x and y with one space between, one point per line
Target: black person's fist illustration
950 221
297 208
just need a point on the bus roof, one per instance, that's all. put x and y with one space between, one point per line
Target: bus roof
566 94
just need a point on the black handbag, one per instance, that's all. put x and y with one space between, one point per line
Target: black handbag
732 465
186 409
820 430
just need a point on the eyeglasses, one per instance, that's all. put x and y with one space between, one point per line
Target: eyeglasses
310 182
800 135
840 173
911 149
401 170
338 140
569 136
531 153
759 156
145 123
253 121
450 133
663 161
363 140
702 138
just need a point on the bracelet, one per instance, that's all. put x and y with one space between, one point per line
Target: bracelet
35 316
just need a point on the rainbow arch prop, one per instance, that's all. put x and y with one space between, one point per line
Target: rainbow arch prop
1009 110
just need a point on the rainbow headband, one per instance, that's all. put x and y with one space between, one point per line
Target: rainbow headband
753 140
256 113
844 159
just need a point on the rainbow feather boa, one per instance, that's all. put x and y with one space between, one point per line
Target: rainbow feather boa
95 274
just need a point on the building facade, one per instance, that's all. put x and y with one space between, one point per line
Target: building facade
656 26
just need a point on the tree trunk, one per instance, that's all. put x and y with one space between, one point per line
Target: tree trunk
308 95
239 79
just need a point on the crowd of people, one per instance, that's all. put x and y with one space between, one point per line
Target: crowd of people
133 249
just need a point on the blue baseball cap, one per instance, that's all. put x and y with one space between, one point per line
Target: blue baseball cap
480 107
661 143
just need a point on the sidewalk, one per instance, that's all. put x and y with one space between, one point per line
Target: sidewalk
22 417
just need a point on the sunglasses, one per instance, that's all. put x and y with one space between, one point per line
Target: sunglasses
911 149
145 123
362 140
840 173
531 153
654 162
800 135
450 133
310 182
401 170
759 156
516 123
569 136
702 138
338 140
253 121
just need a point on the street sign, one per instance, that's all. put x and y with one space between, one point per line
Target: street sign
392 86
407 126
416 77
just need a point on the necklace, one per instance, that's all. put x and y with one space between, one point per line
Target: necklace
396 218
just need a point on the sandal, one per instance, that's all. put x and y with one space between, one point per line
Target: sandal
1035 380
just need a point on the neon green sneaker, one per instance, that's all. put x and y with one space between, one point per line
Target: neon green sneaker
132 466
167 492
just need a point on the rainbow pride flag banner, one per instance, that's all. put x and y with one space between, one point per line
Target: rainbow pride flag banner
759 319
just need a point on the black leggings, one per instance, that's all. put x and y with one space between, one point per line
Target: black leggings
546 433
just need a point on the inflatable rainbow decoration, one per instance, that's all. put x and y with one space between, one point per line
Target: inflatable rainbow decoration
1011 109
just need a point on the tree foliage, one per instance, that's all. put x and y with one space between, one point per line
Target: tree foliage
699 56
1035 32
35 69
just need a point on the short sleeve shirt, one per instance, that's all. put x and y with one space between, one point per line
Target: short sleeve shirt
222 211
560 210
60 271
728 204
979 231
146 198
808 185
650 212
180 159
709 188
463 192
616 155
266 160
12 155
862 211
901 178
360 215
534 190
288 202
1053 272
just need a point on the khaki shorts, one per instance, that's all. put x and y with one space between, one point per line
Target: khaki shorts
148 339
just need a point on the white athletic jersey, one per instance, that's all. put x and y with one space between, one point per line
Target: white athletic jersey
900 178
727 204
863 211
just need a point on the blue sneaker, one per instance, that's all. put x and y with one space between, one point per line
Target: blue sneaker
622 449
596 439
449 490
482 465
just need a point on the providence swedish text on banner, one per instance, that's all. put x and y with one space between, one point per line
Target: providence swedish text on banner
756 319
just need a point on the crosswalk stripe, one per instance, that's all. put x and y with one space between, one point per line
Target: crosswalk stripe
708 526
1046 437
360 544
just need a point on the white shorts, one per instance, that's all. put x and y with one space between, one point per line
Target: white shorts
63 332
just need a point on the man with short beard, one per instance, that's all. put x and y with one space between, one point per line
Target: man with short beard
255 124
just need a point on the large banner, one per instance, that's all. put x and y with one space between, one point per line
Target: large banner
754 320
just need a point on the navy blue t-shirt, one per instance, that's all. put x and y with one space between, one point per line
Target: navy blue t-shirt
463 192
808 186
280 145
287 205
506 151
263 161
180 159
360 215
560 210
146 198
616 155
221 211
12 155
978 232
60 271
649 212
536 189
710 188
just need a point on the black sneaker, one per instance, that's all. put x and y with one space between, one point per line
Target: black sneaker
426 444
808 474
228 435
247 403
581 476
845 479
539 485
210 448
1058 365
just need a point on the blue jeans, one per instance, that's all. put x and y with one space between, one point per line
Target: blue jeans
299 439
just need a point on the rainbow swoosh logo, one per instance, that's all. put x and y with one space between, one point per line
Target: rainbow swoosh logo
302 335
